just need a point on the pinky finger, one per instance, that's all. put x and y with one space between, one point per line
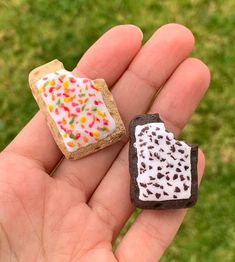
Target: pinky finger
153 231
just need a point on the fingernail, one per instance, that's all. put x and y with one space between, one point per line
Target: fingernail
141 33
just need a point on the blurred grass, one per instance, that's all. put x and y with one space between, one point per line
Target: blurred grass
34 32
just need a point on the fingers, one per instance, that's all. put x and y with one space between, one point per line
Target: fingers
113 52
153 231
35 140
153 65
182 93
112 195
133 93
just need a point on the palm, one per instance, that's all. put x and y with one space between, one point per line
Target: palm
75 214
44 217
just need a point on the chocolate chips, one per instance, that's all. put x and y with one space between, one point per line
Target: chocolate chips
172 148
143 185
177 189
149 192
157 195
162 173
159 175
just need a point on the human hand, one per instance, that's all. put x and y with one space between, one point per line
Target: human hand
76 214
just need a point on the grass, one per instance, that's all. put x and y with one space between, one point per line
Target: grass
29 36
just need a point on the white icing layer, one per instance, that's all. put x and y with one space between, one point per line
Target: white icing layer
164 165
76 105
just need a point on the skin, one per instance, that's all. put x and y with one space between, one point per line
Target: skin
76 214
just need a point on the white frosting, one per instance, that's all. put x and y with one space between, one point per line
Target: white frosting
76 105
153 181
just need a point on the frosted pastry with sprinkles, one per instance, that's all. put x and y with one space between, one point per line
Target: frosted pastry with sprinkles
81 113
163 170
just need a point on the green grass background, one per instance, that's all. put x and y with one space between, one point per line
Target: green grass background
34 32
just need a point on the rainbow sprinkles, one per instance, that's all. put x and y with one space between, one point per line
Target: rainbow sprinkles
77 107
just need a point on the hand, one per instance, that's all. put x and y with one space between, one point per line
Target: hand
76 214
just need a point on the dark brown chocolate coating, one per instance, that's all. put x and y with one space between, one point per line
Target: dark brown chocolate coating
133 169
